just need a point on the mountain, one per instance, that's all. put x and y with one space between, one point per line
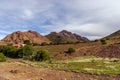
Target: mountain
19 37
65 37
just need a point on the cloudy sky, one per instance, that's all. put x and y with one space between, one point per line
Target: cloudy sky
91 18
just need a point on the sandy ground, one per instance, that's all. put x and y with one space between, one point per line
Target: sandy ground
19 71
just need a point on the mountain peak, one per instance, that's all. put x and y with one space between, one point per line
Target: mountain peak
65 31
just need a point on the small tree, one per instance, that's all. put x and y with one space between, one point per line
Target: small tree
42 55
71 50
2 57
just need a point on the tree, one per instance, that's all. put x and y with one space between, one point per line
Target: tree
42 55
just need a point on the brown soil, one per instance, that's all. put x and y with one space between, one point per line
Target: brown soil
111 51
18 71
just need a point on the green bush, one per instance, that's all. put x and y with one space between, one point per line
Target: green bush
71 50
19 52
10 51
42 55
1 48
26 51
2 57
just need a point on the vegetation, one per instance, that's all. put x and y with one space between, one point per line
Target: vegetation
42 55
20 53
1 48
27 51
71 50
103 42
89 64
2 57
44 44
27 42
10 51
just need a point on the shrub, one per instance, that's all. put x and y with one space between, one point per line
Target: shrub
1 48
27 51
103 42
27 42
36 44
42 55
71 50
2 57
43 44
20 53
10 51
96 40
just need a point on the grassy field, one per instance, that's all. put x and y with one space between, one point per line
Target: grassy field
87 64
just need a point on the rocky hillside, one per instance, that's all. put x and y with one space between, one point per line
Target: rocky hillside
20 37
111 51
115 34
113 38
65 37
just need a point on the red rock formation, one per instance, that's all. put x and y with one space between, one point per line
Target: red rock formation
19 37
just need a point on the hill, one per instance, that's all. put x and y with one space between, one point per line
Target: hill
19 37
65 37
113 38
114 35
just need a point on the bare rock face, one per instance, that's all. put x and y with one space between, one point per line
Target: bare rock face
19 37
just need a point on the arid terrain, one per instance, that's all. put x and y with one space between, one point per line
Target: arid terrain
18 70
91 60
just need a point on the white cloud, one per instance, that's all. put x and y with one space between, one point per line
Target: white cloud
91 18
27 14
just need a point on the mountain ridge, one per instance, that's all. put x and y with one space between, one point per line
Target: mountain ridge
65 36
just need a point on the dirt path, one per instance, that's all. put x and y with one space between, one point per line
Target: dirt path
19 71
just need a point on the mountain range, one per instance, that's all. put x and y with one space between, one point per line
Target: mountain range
63 36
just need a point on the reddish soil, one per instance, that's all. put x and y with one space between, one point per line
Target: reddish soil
111 51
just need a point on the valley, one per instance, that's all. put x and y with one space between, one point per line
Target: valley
91 60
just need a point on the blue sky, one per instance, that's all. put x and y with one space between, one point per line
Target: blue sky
91 18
